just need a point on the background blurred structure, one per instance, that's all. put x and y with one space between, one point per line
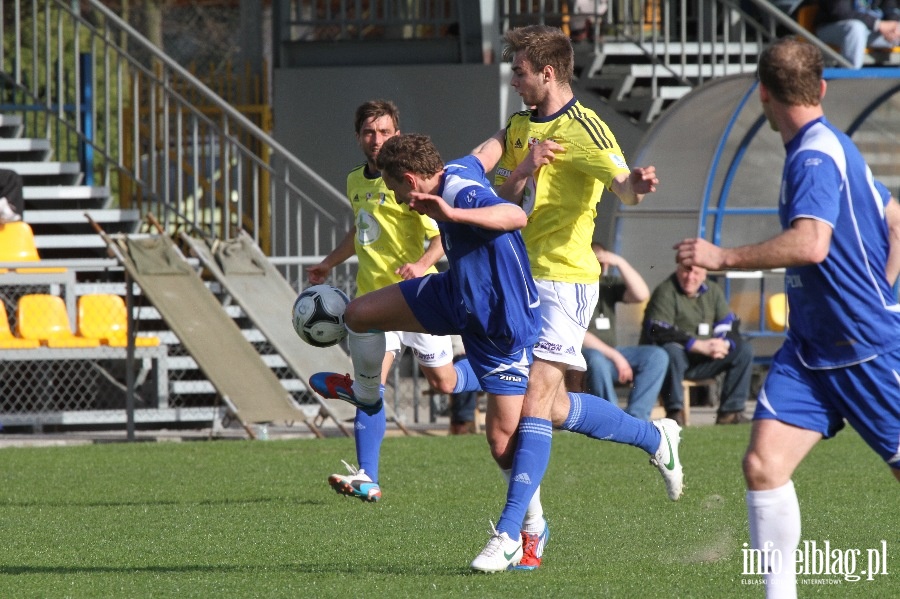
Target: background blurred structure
216 117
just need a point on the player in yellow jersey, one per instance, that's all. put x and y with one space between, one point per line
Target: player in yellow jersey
388 240
555 160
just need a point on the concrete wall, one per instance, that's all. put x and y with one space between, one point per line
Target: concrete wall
459 106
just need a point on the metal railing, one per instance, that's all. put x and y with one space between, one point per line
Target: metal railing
107 97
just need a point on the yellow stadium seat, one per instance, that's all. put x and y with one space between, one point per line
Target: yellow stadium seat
17 245
44 318
104 316
7 339
777 312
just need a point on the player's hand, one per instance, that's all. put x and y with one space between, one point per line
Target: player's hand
410 270
317 273
541 154
643 179
430 205
699 252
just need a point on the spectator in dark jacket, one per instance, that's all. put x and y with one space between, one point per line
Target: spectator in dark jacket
690 319
854 25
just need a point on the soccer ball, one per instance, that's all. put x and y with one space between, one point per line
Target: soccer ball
318 315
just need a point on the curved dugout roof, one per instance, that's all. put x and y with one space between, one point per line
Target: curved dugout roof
720 164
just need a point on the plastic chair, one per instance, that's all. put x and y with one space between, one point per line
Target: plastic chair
17 245
104 316
44 318
7 339
777 312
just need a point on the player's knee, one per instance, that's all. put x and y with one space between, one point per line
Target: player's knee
355 317
763 472
501 449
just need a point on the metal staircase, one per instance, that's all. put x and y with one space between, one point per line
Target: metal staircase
56 201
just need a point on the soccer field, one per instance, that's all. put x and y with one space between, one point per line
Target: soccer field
257 519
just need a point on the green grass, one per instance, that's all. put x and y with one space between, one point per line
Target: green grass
257 519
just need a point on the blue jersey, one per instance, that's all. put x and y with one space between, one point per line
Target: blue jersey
489 269
842 311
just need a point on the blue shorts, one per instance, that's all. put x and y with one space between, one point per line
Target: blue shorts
501 370
866 395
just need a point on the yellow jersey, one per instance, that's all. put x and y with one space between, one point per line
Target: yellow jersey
388 234
562 201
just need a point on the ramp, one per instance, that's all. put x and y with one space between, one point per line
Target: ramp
246 384
266 297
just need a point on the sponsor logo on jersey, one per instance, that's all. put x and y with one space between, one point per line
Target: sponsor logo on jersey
812 162
470 197
367 228
510 377
425 357
533 141
548 347
518 144
619 161
503 172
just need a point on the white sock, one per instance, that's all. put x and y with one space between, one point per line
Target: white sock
534 515
774 517
367 354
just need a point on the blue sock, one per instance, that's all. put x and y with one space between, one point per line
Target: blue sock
465 377
600 419
368 430
529 464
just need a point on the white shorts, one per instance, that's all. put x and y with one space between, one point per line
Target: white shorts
566 310
429 350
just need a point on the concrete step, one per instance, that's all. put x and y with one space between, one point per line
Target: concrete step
10 126
111 215
46 173
62 197
23 149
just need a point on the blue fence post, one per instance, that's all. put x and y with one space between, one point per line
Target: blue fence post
86 143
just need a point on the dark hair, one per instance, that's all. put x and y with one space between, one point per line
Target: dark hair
376 109
542 46
409 153
792 72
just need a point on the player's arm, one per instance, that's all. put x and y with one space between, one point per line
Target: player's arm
490 150
632 187
807 241
317 273
496 217
432 254
892 216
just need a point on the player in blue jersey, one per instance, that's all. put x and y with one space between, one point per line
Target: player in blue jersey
840 245
487 296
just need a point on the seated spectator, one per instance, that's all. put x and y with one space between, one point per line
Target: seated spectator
690 319
11 201
643 367
854 25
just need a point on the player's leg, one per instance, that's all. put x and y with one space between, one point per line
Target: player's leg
385 309
790 419
369 426
565 314
505 378
773 511
434 354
